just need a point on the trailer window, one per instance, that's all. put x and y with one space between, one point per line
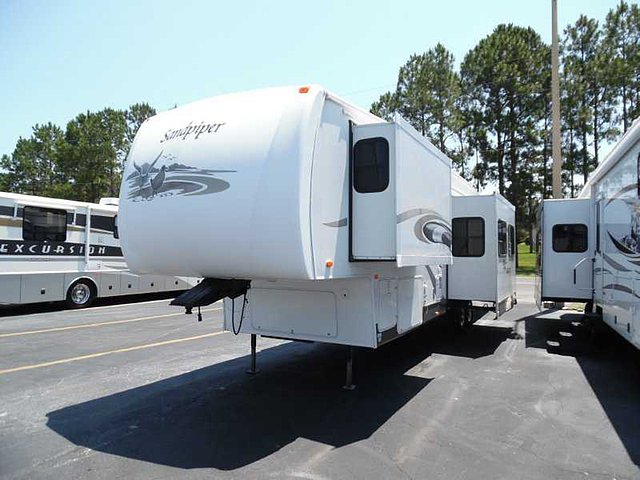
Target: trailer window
468 237
502 238
371 165
512 240
571 237
44 224
116 234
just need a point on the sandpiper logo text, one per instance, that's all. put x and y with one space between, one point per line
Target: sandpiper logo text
191 131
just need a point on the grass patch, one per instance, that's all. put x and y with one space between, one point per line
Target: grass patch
526 261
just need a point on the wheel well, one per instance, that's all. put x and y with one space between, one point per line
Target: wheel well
90 281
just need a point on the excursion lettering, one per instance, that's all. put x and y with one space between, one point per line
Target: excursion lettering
190 129
17 247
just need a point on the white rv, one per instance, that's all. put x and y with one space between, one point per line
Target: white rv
484 268
314 218
589 247
52 249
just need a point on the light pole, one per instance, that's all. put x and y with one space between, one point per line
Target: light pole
555 104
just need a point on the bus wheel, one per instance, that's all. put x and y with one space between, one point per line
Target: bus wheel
81 294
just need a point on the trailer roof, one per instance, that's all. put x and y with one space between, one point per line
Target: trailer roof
54 202
629 139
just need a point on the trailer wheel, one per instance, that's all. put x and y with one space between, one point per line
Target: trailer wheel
468 316
461 317
81 294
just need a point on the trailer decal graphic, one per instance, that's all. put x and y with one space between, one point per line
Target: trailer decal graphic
620 288
343 222
430 228
615 264
621 192
626 250
147 181
56 249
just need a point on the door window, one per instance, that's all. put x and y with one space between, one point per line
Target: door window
569 238
371 165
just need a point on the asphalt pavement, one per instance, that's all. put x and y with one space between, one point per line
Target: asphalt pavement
143 391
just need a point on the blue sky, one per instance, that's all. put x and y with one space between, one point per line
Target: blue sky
60 58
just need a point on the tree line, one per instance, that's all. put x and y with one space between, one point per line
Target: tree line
82 162
492 115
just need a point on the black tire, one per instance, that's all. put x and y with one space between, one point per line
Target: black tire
81 294
468 317
461 318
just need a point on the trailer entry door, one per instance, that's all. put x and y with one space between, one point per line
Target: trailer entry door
567 255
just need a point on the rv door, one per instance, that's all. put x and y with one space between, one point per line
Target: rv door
568 243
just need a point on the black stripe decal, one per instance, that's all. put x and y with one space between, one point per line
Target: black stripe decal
56 249
620 288
615 264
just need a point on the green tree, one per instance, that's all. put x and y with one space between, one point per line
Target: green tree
622 54
504 78
588 98
135 116
33 167
428 95
95 148
386 106
428 87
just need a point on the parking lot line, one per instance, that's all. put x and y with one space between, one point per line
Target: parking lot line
109 352
99 324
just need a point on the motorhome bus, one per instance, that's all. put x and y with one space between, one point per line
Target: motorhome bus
53 249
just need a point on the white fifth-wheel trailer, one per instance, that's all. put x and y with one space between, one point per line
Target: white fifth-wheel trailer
53 249
589 247
313 218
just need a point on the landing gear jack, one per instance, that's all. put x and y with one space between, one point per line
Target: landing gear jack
348 385
253 370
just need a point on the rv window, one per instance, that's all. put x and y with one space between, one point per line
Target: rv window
512 240
371 165
502 238
44 224
569 238
468 237
115 227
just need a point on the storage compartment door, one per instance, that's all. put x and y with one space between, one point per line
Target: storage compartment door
372 212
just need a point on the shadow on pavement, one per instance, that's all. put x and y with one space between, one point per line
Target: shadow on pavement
27 309
610 364
219 417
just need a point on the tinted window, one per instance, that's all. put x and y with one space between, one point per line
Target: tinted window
371 165
116 234
44 224
502 238
571 237
468 237
512 240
